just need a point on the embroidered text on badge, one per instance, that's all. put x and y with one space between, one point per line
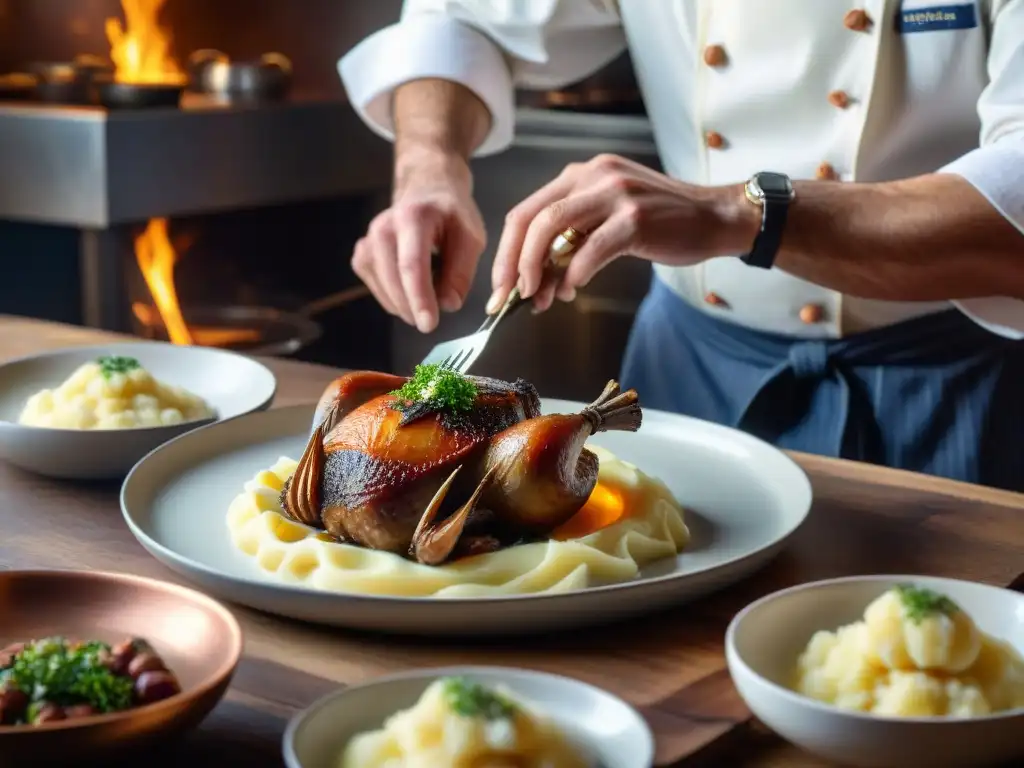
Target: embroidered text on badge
936 18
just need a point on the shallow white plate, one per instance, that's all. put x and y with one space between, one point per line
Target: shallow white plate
764 640
232 384
606 728
743 500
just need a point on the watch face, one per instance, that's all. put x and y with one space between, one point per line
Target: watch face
774 183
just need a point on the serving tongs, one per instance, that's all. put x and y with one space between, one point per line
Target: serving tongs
459 354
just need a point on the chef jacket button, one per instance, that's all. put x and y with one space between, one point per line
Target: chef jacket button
714 55
715 300
714 140
856 20
826 172
839 99
811 313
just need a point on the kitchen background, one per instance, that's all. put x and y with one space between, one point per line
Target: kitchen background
225 215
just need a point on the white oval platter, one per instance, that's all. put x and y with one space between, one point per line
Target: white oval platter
743 500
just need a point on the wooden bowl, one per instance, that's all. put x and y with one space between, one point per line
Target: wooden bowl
197 637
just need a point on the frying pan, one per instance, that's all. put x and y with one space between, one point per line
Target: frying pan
18 86
277 333
117 95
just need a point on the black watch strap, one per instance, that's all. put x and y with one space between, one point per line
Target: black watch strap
774 210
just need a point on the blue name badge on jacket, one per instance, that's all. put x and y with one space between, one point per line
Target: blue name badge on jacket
937 17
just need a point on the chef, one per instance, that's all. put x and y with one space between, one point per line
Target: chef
838 239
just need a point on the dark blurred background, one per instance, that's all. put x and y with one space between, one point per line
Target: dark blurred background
263 200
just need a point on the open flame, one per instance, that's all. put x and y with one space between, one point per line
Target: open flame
141 49
141 52
156 257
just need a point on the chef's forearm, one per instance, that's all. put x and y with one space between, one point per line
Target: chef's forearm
928 238
436 122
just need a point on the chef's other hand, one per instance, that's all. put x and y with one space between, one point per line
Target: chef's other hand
432 206
621 207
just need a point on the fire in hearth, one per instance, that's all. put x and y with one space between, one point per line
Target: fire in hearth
141 52
141 48
156 257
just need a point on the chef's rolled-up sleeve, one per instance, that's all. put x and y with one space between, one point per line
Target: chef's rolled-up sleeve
996 168
490 47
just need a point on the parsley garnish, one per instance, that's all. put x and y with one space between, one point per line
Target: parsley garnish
112 364
470 699
920 602
437 388
51 670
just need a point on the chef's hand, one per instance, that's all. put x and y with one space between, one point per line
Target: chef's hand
431 206
621 208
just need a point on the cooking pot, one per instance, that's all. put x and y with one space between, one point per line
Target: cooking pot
265 79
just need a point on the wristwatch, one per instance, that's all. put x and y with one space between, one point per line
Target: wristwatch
773 192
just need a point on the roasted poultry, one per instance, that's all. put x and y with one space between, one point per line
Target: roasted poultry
440 465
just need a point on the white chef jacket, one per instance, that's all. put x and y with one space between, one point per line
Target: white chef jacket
927 85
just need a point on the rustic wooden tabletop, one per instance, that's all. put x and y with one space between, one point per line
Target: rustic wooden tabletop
671 665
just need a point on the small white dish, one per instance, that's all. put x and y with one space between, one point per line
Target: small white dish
612 732
230 383
765 639
743 498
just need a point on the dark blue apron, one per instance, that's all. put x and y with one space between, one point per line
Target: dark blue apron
936 394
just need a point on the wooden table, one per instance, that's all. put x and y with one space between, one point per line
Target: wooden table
865 520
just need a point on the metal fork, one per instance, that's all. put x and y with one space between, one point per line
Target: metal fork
459 354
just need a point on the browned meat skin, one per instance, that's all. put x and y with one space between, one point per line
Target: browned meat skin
441 485
385 523
535 475
349 391
542 473
301 495
381 470
367 476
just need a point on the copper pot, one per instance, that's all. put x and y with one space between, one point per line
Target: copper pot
197 637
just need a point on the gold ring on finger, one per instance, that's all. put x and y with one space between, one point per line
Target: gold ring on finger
564 245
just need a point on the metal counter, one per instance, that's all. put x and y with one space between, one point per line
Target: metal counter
90 168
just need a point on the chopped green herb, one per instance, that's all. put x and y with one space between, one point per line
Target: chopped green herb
470 699
53 670
438 388
32 711
112 364
920 602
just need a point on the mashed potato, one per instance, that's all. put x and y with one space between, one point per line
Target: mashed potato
112 393
460 724
630 520
915 654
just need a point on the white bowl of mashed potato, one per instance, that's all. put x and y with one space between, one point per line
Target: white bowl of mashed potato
469 717
887 670
91 413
